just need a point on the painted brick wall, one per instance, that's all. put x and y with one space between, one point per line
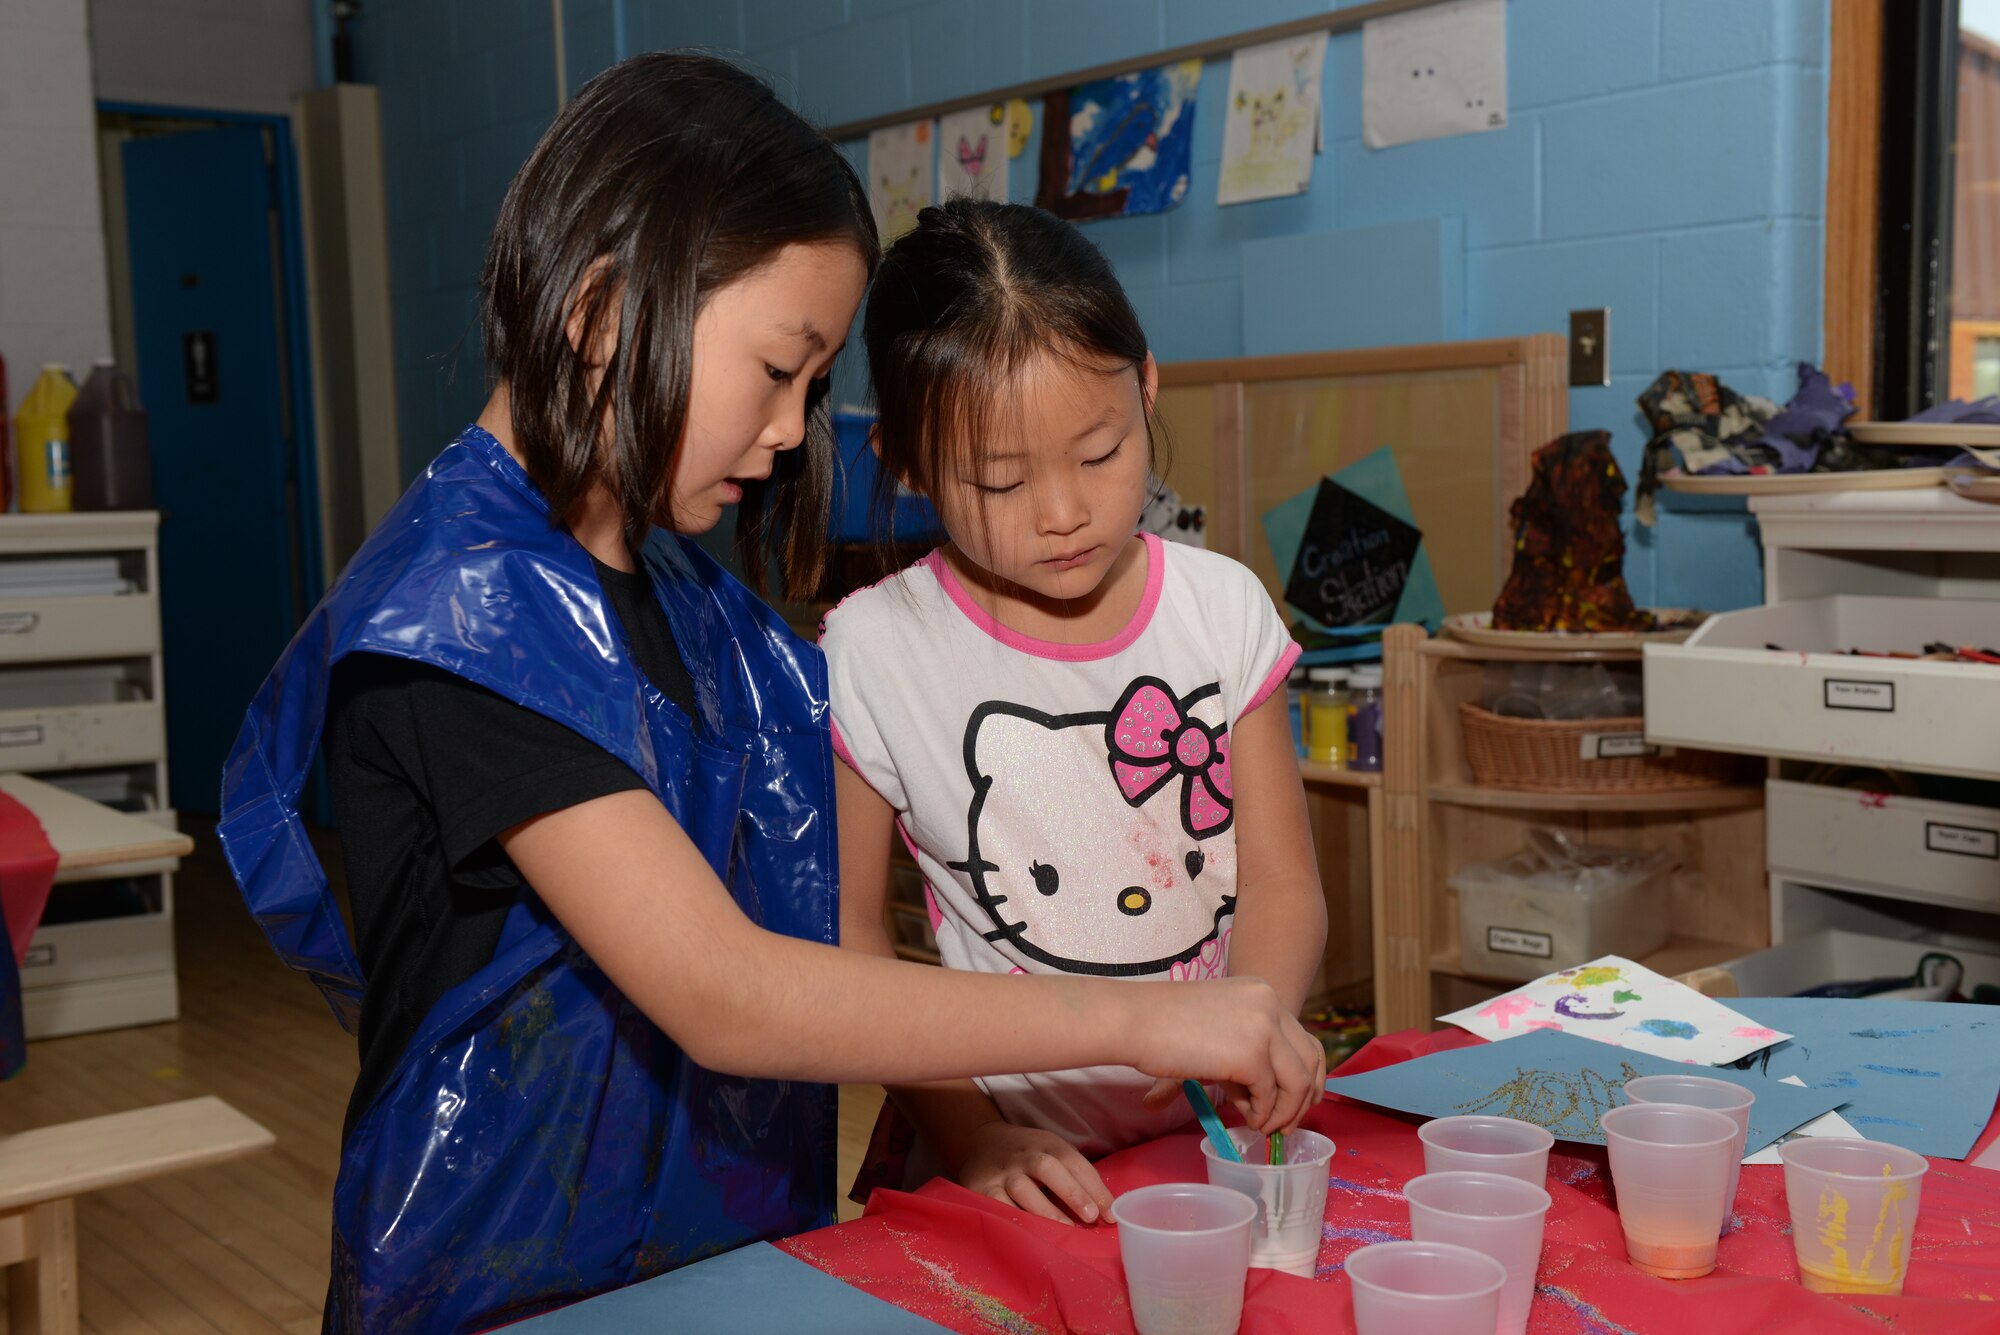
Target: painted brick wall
1663 157
54 295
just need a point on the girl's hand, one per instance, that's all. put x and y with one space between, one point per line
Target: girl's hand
1236 1031
1021 1166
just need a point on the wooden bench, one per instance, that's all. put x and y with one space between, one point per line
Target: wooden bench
43 1171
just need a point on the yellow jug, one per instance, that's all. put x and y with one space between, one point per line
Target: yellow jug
41 441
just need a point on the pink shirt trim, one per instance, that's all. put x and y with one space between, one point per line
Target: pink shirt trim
1156 578
1262 693
840 749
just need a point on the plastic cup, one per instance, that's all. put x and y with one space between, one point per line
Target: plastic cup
1670 1165
1495 1215
1854 1208
1186 1248
1291 1197
1424 1288
1501 1145
1700 1091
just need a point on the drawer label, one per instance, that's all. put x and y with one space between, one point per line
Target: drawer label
39 956
1875 696
1508 941
1618 746
21 734
1968 841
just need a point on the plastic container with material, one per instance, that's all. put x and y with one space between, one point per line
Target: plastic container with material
1291 1197
111 461
6 444
1364 719
1424 1288
1699 1091
1501 1217
1854 1211
1558 903
1325 707
1669 1169
1503 1145
41 442
1186 1249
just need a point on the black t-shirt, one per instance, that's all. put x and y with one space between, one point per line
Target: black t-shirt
426 770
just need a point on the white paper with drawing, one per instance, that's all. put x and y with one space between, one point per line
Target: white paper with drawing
972 153
1273 122
1432 72
1626 1005
901 175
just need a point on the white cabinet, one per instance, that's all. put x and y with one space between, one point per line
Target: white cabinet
82 708
1866 875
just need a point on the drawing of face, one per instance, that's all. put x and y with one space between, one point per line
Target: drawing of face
1084 869
971 156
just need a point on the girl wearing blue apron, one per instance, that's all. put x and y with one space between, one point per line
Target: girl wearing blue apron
583 776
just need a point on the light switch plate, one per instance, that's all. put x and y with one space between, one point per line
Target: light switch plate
1590 347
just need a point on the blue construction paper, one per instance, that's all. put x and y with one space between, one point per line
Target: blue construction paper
751 1291
1377 480
1920 1074
1564 1083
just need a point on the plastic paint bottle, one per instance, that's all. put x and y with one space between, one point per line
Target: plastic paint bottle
1326 706
1364 719
41 442
113 467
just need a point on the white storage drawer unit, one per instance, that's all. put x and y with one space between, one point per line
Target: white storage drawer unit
1725 689
1842 956
1901 847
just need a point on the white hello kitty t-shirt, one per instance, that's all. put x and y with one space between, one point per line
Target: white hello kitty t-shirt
1069 805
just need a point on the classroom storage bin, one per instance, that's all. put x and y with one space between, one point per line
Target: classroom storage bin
1835 955
1598 755
1555 905
1902 847
1777 680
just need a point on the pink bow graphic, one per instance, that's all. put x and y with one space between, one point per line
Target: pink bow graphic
1151 739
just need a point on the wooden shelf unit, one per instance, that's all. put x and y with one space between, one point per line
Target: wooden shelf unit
1437 819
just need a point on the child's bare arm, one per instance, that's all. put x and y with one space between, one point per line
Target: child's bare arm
1280 931
975 1143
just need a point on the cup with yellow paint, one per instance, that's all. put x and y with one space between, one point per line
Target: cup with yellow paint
1854 1211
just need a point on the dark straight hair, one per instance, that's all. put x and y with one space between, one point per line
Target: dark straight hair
966 298
681 173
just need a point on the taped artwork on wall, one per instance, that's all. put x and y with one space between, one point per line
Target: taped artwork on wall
1273 127
902 176
1128 147
973 153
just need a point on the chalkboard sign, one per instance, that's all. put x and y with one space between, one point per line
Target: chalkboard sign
1353 561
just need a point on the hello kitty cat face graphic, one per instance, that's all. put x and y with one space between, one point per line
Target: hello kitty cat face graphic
1091 837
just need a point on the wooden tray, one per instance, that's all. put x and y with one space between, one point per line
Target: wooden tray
1797 484
1925 435
1477 628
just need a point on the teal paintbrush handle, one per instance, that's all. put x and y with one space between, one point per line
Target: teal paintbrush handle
1197 1098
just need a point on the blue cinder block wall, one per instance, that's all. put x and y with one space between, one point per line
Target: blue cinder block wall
1665 158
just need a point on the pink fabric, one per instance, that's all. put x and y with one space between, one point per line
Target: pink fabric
1156 574
1286 661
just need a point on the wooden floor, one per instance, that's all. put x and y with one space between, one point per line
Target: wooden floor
241 1248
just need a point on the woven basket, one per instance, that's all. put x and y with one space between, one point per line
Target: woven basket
1547 756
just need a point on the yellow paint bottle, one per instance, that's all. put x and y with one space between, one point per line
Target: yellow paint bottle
41 442
1326 716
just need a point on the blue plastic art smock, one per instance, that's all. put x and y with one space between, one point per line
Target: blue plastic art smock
541 1140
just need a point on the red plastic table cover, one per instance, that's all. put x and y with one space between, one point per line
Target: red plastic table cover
972 1264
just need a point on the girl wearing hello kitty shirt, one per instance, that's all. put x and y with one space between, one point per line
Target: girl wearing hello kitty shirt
1079 731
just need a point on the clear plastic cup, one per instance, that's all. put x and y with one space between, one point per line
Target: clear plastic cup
1424 1288
1502 1145
1493 1214
1670 1166
1854 1209
1700 1091
1186 1248
1291 1197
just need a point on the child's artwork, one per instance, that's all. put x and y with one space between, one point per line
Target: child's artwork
972 153
1020 124
901 176
1128 146
1561 1082
1273 124
1920 1074
1613 1000
1826 1124
1436 71
1350 552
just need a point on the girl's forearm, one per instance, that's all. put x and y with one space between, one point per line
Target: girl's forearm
1280 936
